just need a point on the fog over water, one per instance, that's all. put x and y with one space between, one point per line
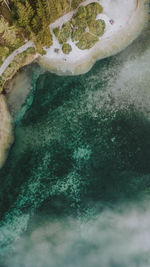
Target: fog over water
75 189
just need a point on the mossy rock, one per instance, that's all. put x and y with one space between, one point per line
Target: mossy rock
87 41
97 27
66 48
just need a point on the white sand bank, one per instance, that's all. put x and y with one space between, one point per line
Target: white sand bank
129 18
6 137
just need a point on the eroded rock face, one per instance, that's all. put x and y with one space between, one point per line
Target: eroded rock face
6 137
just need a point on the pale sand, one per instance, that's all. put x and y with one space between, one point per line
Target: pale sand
6 137
129 17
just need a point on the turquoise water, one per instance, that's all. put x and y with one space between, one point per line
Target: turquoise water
80 158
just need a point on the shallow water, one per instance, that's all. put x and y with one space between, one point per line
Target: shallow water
74 190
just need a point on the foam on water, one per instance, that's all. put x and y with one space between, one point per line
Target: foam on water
112 238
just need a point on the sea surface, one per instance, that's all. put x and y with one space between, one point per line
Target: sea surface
75 189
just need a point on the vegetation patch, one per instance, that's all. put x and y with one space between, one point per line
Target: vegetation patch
30 19
87 41
66 48
15 65
83 28
97 27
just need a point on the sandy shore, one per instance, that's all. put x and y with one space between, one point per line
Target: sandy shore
129 18
6 137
